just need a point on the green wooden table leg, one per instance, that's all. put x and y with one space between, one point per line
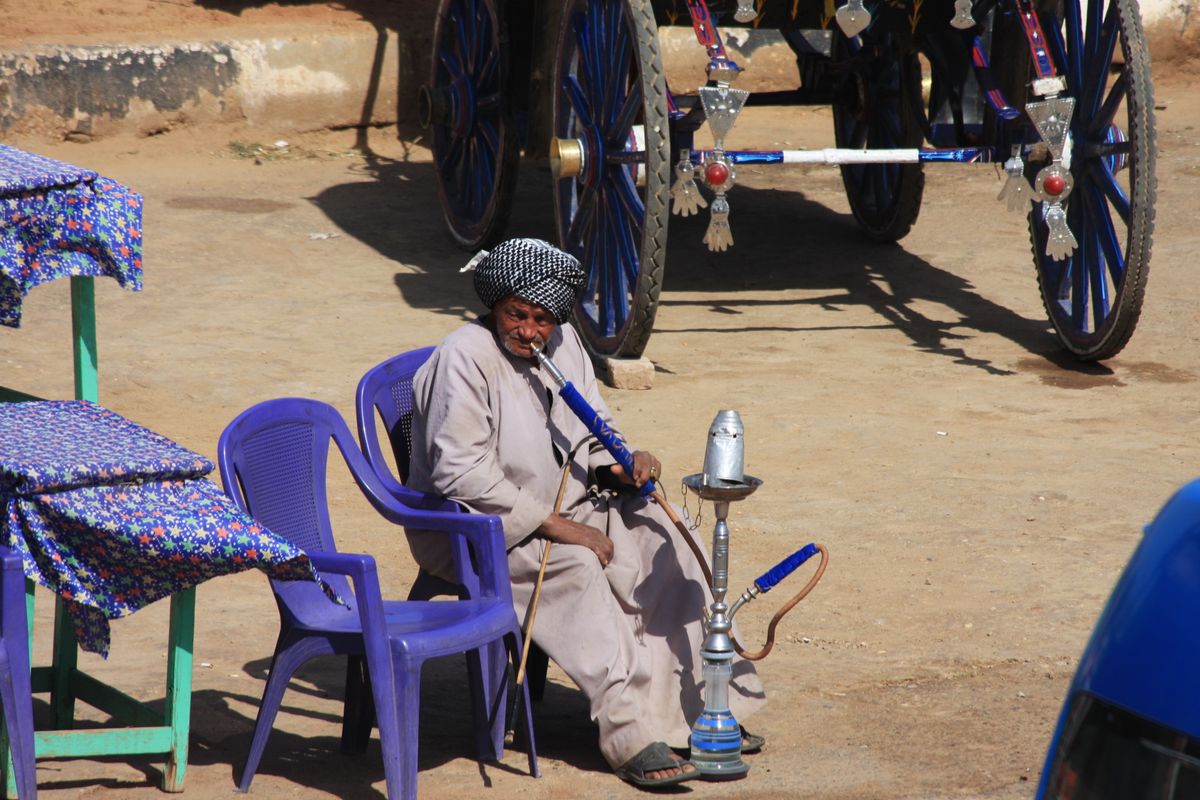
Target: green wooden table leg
83 337
179 686
64 661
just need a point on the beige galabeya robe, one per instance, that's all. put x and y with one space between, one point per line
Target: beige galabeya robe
490 432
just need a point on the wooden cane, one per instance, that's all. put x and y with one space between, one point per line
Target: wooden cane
531 614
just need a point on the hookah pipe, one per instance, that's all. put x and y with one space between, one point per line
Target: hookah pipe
613 443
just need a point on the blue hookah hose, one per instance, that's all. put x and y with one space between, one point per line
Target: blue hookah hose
595 423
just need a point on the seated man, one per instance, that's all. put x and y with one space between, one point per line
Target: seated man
620 605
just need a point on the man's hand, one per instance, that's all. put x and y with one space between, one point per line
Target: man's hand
646 467
565 531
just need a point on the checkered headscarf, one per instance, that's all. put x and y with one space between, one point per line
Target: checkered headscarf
533 270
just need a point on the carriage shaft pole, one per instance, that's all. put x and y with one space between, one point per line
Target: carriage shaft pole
840 155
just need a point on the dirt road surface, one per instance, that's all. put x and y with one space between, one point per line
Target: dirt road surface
905 405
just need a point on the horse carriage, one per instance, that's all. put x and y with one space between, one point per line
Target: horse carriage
1058 91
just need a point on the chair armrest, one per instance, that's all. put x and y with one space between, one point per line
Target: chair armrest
420 501
485 533
10 560
353 565
361 570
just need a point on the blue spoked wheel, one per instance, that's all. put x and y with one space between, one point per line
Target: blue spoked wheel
1094 296
466 107
876 106
610 103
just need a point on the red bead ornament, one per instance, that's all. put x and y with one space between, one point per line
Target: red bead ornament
1054 185
716 173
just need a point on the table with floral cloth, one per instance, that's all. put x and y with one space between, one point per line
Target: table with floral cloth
58 220
61 220
112 516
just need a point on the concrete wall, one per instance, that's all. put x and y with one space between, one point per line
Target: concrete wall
355 75
306 81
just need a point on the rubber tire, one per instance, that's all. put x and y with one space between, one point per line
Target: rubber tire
1067 303
875 106
490 143
631 293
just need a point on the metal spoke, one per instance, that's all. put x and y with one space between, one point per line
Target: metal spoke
622 185
583 211
1099 64
579 103
1107 235
1100 173
1104 116
618 133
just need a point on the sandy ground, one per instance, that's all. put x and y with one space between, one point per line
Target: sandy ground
907 406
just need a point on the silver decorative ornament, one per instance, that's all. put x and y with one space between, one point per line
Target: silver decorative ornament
962 15
853 18
1060 242
719 237
1016 191
686 199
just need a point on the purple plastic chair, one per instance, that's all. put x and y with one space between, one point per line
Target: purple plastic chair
273 459
16 692
386 390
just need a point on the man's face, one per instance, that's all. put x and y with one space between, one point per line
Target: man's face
520 324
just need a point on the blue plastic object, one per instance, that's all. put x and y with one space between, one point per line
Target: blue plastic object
16 693
273 463
1130 725
386 391
604 434
775 574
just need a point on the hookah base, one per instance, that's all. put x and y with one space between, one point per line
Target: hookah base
716 747
727 769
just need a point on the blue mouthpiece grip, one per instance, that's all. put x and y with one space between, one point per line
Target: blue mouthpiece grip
604 434
775 574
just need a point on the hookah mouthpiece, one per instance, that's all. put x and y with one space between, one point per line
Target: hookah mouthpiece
537 346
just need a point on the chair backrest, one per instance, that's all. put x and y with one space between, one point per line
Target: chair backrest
273 459
386 390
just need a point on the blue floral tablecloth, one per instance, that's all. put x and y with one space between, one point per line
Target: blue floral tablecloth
113 516
58 220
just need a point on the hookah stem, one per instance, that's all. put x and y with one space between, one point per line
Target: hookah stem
612 442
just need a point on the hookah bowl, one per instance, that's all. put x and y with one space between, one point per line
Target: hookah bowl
716 742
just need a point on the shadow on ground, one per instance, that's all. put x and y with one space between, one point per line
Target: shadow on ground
223 723
786 241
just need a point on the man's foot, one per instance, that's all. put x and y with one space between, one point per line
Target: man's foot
751 744
655 766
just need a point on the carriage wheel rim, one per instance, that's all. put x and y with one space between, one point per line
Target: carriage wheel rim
602 214
1094 295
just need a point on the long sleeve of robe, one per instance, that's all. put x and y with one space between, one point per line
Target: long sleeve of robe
491 433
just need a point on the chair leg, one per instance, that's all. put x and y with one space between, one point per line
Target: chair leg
17 699
487 673
358 713
397 692
513 641
283 666
536 666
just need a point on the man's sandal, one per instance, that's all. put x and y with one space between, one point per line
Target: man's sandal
751 743
656 757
